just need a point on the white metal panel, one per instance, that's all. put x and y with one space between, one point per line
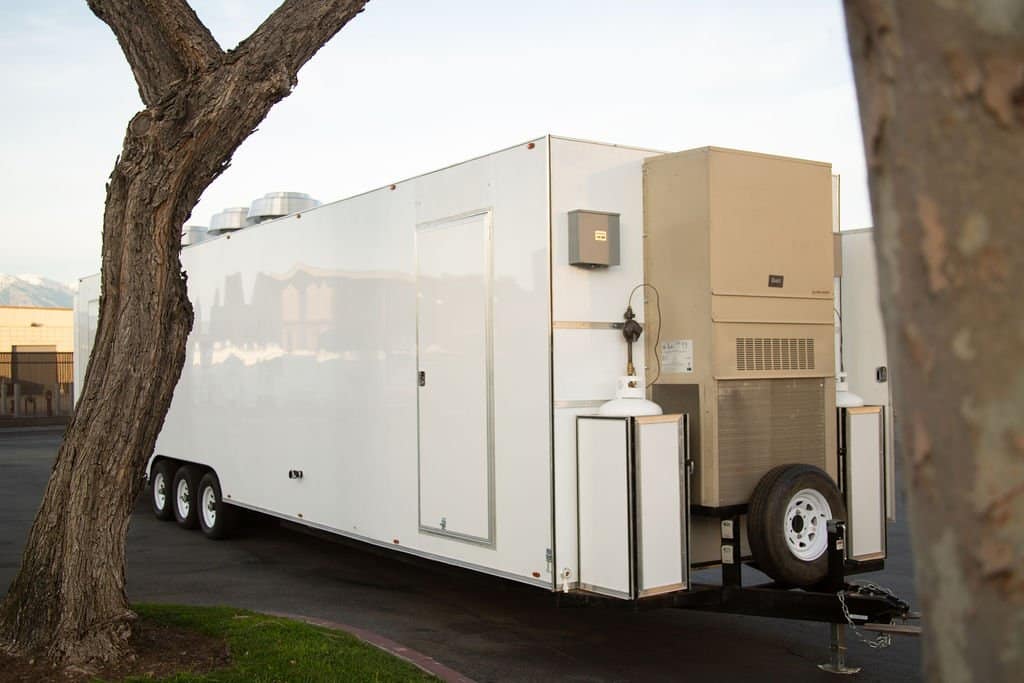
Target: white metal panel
864 345
455 397
596 177
587 362
303 356
86 321
604 505
865 478
660 505
590 362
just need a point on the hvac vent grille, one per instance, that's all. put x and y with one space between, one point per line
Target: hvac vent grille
764 423
774 353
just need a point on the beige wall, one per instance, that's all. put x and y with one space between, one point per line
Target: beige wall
30 326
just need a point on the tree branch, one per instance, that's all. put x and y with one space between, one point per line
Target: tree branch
294 33
163 41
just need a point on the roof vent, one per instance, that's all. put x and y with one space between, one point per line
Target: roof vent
228 220
276 204
193 234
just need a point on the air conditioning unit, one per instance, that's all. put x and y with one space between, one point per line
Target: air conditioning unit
740 247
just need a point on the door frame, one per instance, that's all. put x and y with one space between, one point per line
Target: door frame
438 224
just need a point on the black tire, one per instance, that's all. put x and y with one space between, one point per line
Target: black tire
755 511
787 524
161 483
183 497
216 518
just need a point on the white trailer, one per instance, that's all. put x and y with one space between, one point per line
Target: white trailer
427 367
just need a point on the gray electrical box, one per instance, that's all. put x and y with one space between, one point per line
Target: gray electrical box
593 239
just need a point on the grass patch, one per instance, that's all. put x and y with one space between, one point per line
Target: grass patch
268 649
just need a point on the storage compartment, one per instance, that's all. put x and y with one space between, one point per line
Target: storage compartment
632 505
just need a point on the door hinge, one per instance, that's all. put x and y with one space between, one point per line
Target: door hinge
423 378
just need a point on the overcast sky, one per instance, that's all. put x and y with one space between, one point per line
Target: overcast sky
410 86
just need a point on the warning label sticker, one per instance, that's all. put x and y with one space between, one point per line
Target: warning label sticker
677 356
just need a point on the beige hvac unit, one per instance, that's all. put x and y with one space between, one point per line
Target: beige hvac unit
739 245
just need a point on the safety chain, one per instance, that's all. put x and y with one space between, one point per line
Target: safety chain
882 640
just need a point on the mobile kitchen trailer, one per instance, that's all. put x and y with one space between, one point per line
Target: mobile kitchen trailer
430 367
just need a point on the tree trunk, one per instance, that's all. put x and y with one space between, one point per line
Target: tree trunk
941 90
68 601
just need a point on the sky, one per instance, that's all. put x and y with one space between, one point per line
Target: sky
411 86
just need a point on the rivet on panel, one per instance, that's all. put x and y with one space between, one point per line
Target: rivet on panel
536 575
530 145
391 187
395 541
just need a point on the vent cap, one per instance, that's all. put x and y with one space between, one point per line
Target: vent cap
233 218
276 204
193 234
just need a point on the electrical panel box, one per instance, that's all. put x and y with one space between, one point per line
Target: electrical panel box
593 239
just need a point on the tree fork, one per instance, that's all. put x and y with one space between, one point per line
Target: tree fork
68 601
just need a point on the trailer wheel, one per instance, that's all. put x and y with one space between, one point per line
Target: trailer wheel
184 502
161 485
788 523
216 518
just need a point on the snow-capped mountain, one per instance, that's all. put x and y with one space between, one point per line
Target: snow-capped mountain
33 290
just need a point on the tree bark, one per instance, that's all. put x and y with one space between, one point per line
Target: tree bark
68 601
941 91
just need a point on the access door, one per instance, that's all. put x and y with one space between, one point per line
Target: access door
633 510
456 402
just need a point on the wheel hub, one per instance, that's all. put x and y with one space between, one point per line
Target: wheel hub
209 507
806 524
184 498
160 491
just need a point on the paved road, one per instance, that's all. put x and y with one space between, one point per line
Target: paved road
490 630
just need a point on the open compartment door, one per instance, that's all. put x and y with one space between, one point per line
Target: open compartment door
662 507
864 480
633 505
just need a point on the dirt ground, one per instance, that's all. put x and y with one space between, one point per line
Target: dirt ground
158 651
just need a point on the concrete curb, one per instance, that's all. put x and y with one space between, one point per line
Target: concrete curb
417 659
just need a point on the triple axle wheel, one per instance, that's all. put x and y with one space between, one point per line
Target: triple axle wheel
192 497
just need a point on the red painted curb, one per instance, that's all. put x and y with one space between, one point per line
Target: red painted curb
417 659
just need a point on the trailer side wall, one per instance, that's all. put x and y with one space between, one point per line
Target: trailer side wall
304 357
589 353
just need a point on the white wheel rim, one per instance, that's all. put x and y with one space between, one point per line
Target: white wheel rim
160 490
183 499
806 524
209 507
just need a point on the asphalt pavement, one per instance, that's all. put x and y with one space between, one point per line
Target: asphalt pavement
488 629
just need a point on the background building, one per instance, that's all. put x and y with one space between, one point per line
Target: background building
36 368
